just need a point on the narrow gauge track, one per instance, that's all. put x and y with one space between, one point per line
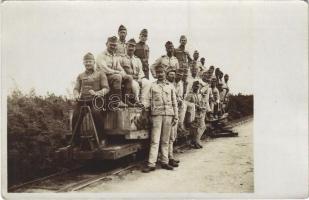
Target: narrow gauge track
83 176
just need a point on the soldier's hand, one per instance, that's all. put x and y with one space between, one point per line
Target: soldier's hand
92 92
174 121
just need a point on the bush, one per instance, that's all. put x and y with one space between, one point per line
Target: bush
240 106
36 128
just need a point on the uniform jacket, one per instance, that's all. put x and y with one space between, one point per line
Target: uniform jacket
142 52
162 97
108 63
96 81
121 48
166 62
132 66
183 56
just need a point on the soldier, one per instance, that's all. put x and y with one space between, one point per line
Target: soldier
164 115
109 63
215 101
166 61
211 72
202 60
226 89
197 63
142 51
90 84
170 77
206 92
132 65
182 55
121 43
198 125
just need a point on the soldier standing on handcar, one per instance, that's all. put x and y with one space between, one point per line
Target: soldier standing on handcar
121 48
164 115
90 84
182 55
142 51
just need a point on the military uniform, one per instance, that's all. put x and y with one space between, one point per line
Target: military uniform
198 126
121 48
133 67
109 63
183 57
166 62
86 81
162 98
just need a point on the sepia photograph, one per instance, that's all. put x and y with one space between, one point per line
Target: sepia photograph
129 97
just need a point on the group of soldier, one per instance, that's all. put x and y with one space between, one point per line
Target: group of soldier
184 95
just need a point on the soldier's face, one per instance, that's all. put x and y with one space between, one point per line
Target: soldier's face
195 87
195 56
226 78
143 38
178 76
122 34
194 71
183 41
170 76
111 46
89 64
170 49
160 75
130 49
203 61
185 77
211 71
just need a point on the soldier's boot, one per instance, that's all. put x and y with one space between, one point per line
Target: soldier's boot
175 160
120 103
148 169
167 166
173 163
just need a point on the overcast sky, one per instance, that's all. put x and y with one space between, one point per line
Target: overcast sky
44 42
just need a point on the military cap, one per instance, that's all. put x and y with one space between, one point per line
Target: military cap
196 83
185 71
182 37
170 69
211 67
226 75
132 41
121 27
180 70
159 67
144 32
195 52
168 43
112 39
202 58
88 56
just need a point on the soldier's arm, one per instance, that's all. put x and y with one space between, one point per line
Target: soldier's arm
188 56
102 66
174 102
119 69
152 67
104 85
77 87
177 64
140 69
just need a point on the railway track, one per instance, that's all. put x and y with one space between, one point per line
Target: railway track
81 176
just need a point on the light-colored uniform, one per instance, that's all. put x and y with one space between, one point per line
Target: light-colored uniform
166 62
199 121
162 98
121 48
133 67
110 65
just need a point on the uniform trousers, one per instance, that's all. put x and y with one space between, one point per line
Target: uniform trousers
160 136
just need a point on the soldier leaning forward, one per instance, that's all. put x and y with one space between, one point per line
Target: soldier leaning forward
133 67
109 63
142 51
90 84
164 115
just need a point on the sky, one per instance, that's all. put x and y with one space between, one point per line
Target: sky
44 42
